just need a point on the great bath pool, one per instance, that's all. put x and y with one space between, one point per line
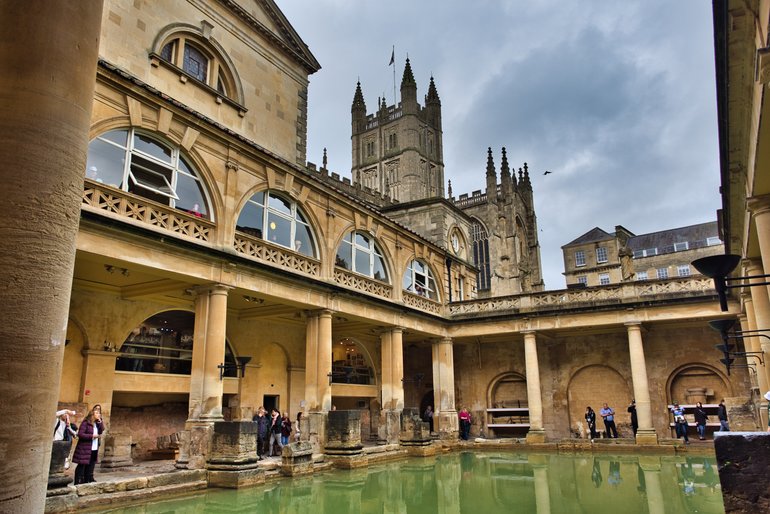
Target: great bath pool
480 483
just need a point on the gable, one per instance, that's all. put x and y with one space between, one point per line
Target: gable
592 236
268 20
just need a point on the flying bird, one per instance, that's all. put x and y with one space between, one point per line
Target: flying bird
546 172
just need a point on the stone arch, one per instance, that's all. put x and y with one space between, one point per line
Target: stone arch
387 256
593 386
507 389
71 381
438 278
693 382
339 348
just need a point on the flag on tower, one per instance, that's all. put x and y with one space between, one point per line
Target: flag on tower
392 56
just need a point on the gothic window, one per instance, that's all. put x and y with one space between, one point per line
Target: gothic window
269 216
146 166
481 255
359 252
392 141
418 279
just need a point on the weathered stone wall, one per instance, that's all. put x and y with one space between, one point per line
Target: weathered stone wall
146 424
743 459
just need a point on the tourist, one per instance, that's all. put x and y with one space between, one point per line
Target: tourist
428 416
260 418
87 449
298 433
680 423
767 397
722 415
591 422
64 430
465 423
608 415
634 419
275 432
700 420
285 429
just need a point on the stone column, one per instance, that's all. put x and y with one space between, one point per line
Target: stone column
318 367
324 360
646 433
48 54
761 305
536 432
753 345
311 363
759 206
211 407
392 384
444 411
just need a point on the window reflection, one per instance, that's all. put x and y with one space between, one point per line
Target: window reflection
363 256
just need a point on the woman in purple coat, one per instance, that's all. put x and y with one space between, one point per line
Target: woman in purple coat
87 449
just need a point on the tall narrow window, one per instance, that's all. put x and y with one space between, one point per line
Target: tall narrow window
601 255
580 258
481 255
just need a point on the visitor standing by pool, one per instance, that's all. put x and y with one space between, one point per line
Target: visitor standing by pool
700 420
591 422
285 429
428 416
465 423
680 423
87 449
608 415
634 418
262 424
722 415
275 431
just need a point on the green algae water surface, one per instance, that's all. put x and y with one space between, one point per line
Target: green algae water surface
480 483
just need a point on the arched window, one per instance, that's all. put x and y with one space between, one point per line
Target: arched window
481 255
418 279
143 165
351 364
273 218
191 55
163 343
358 252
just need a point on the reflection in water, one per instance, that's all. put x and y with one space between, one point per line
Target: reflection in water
484 483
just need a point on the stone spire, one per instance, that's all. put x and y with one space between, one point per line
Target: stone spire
505 175
449 189
408 90
432 96
325 161
358 110
433 105
491 178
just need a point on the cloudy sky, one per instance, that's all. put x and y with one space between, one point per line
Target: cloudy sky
616 99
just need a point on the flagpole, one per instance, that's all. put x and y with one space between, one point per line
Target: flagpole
393 61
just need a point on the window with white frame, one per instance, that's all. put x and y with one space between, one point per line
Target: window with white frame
662 272
580 258
192 55
144 165
459 292
683 270
582 280
680 247
358 252
418 279
269 216
647 252
604 279
641 275
711 241
601 255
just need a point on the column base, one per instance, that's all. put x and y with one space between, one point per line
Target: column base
448 424
536 436
646 436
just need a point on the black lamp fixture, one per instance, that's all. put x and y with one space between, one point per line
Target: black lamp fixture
718 267
229 366
723 326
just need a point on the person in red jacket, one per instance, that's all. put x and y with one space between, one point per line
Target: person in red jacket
87 450
465 423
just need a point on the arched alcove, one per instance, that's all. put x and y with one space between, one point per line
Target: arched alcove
594 386
697 382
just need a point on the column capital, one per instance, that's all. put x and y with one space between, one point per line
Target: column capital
633 324
752 266
758 204
215 288
443 340
528 332
320 313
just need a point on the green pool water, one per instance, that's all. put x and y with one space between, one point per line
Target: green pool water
480 483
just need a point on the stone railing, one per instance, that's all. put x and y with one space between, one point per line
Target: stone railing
421 303
362 283
277 256
629 292
113 202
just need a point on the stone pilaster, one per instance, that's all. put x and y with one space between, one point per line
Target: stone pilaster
318 361
536 432
445 413
761 305
646 433
759 207
392 384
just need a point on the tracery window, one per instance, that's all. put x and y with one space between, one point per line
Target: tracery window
360 253
141 164
418 279
269 216
481 255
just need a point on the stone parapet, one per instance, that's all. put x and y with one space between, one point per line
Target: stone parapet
743 459
117 451
297 459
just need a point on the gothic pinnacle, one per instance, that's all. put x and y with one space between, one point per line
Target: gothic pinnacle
490 162
408 78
